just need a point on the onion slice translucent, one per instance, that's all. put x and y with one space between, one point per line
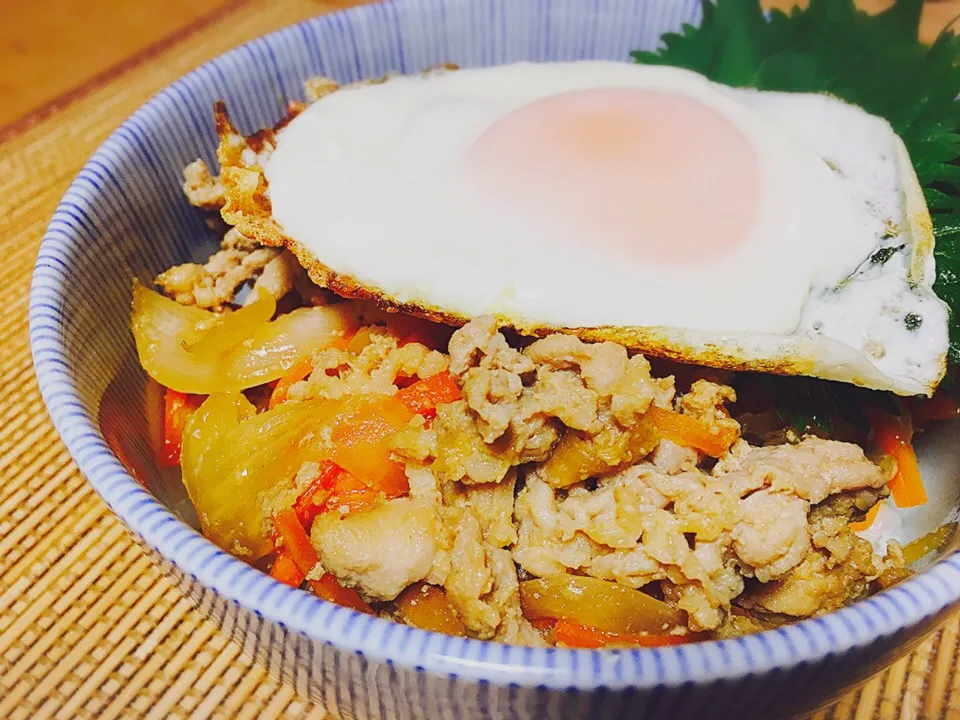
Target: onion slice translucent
238 467
196 351
596 603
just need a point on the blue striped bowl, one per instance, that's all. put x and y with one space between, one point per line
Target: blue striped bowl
124 217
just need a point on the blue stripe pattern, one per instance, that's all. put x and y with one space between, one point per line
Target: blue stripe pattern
124 217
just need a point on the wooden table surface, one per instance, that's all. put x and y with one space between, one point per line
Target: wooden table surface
50 50
88 626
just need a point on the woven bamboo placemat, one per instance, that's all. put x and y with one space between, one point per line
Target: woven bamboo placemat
88 627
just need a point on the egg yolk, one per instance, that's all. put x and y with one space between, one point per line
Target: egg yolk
652 176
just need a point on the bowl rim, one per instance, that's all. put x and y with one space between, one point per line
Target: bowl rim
927 594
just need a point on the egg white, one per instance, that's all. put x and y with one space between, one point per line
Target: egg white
370 183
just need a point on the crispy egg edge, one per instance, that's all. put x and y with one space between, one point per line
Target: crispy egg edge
247 208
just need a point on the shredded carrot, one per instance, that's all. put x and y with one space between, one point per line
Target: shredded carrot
295 540
177 409
297 373
543 624
575 635
329 588
867 521
393 483
297 545
342 343
423 396
334 489
350 494
362 444
894 436
285 570
313 500
691 432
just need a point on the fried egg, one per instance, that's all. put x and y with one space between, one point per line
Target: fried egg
725 227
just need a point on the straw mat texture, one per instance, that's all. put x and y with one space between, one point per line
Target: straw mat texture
88 627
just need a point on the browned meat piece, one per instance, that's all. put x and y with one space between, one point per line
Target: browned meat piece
379 551
482 585
372 370
505 413
695 534
672 458
521 403
213 285
772 536
493 505
472 579
623 531
839 568
775 533
707 401
478 574
461 453
735 625
233 239
558 413
201 187
279 276
813 469
815 586
893 567
621 383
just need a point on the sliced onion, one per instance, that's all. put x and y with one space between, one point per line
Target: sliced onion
596 603
243 350
239 466
426 607
232 328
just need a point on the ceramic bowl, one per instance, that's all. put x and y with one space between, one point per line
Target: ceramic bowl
124 217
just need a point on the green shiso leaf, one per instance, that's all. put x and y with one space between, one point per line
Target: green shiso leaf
874 61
